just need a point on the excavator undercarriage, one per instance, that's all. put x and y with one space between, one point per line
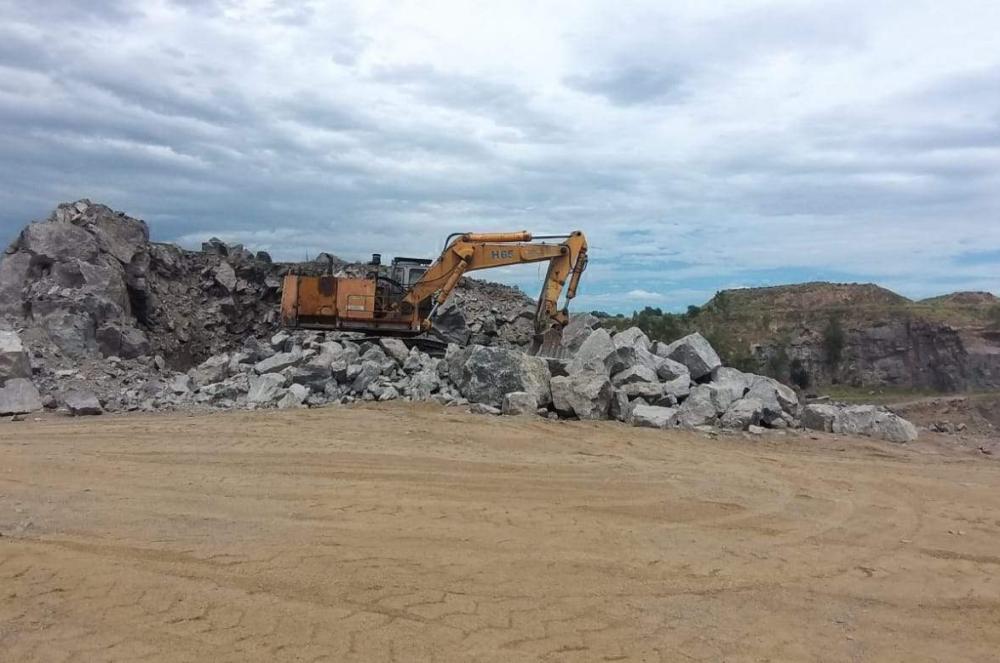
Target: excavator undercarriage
401 299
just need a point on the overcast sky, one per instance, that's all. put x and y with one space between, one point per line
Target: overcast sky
700 145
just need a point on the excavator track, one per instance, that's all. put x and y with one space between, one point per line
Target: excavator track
431 346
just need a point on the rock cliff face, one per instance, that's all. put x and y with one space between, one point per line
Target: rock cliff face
908 353
949 343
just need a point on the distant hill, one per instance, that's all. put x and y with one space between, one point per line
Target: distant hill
859 334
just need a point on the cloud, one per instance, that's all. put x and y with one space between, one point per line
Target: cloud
644 295
697 144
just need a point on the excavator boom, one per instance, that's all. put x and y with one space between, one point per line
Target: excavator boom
404 302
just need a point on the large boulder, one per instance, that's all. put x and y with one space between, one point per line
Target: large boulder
620 406
742 414
873 421
678 387
819 416
866 420
631 337
586 394
69 327
638 381
294 397
19 396
650 416
214 369
115 339
81 403
370 371
266 389
627 356
450 323
733 381
14 361
278 362
395 348
424 383
698 409
721 397
577 330
780 401
594 353
484 374
314 373
695 352
14 269
119 235
769 389
518 403
54 242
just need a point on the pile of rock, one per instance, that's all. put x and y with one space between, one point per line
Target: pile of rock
88 283
662 385
307 369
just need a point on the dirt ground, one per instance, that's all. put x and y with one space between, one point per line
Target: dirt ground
412 533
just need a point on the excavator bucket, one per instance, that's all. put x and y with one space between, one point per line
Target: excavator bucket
549 343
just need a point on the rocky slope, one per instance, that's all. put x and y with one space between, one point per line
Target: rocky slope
862 335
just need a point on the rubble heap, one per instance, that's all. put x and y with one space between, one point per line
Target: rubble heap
95 302
108 320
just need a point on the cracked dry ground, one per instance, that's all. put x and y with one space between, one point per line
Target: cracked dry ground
410 533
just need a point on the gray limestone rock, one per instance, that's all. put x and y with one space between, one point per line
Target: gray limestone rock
698 409
369 372
395 348
80 402
619 407
632 337
14 362
586 394
214 369
519 403
577 330
819 416
19 396
695 352
650 416
873 421
278 362
594 353
115 339
484 374
265 389
742 413
294 397
483 408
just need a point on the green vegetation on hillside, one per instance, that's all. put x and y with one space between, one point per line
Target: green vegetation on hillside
736 321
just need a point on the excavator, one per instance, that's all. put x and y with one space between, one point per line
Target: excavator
402 300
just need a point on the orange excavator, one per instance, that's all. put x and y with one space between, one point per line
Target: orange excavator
402 300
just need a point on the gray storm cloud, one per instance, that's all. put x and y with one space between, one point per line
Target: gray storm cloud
699 146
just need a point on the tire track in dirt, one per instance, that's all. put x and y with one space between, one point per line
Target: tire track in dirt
416 533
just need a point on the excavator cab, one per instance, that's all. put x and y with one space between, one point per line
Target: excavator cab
407 271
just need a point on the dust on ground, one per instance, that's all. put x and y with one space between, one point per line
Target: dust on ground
403 532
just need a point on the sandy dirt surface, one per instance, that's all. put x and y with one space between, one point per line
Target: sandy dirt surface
414 533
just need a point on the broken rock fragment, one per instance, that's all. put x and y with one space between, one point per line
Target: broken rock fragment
80 403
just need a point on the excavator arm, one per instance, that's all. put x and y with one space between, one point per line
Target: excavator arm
475 251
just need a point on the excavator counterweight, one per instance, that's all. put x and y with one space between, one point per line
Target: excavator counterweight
401 299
